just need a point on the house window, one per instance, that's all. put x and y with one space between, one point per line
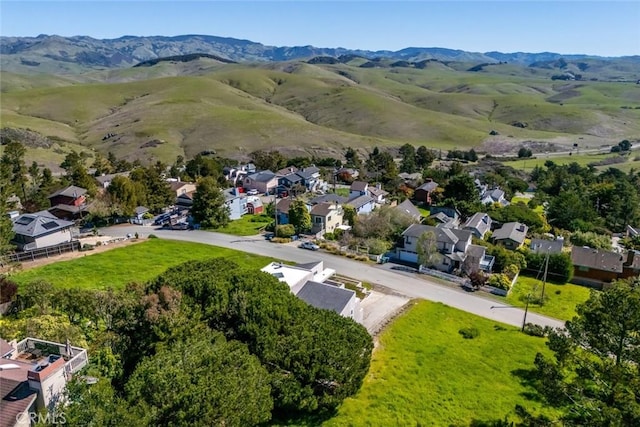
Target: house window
318 220
408 241
329 218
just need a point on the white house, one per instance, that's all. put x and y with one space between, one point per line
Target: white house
41 229
363 204
452 244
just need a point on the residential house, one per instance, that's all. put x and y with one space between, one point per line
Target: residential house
378 194
329 297
544 246
511 235
286 171
282 211
478 259
595 267
265 182
452 213
410 178
312 283
181 187
347 173
311 178
631 266
104 181
33 377
409 209
290 180
325 217
68 203
254 205
236 202
358 188
495 195
235 174
451 243
40 230
479 224
185 200
425 191
362 204
328 198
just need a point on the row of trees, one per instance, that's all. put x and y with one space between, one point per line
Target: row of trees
206 343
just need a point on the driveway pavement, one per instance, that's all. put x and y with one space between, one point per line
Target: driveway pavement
409 285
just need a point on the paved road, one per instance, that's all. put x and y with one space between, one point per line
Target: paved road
406 284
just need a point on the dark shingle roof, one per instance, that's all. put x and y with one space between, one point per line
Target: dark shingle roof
331 198
324 296
542 246
263 176
596 259
283 205
428 186
408 208
70 191
307 173
359 186
360 201
15 398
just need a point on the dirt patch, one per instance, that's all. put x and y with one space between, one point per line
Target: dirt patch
28 265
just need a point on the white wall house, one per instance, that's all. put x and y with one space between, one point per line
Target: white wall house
41 229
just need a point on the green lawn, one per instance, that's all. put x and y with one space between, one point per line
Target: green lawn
560 299
248 225
135 263
425 373
539 209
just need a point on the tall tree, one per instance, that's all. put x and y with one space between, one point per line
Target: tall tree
158 193
424 157
209 204
427 248
352 160
408 163
6 226
13 160
125 195
299 216
593 378
204 380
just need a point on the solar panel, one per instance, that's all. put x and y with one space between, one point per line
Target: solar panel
49 225
25 220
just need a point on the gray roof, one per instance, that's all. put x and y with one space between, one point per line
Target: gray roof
511 230
109 177
293 177
141 210
596 259
374 191
476 251
442 234
542 246
408 208
479 221
33 225
359 186
441 216
410 176
323 209
283 205
428 186
70 191
307 173
331 198
262 176
360 201
324 296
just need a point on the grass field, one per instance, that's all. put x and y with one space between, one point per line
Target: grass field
560 299
248 225
135 263
581 159
425 373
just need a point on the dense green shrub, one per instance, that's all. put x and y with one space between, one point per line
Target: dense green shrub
286 230
469 333
500 281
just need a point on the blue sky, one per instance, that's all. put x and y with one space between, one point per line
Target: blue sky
608 28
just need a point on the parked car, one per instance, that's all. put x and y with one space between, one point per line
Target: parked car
252 192
309 245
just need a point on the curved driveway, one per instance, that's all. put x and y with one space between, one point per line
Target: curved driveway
406 284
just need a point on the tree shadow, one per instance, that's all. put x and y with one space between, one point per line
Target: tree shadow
528 378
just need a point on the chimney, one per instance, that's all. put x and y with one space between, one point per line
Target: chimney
379 186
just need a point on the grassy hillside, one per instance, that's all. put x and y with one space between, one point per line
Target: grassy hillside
183 108
425 373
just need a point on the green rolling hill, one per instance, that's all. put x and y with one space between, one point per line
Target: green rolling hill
174 107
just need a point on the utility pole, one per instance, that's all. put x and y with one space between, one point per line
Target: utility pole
544 278
526 310
275 214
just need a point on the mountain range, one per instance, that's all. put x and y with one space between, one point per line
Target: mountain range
52 53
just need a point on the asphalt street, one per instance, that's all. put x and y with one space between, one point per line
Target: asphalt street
407 284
